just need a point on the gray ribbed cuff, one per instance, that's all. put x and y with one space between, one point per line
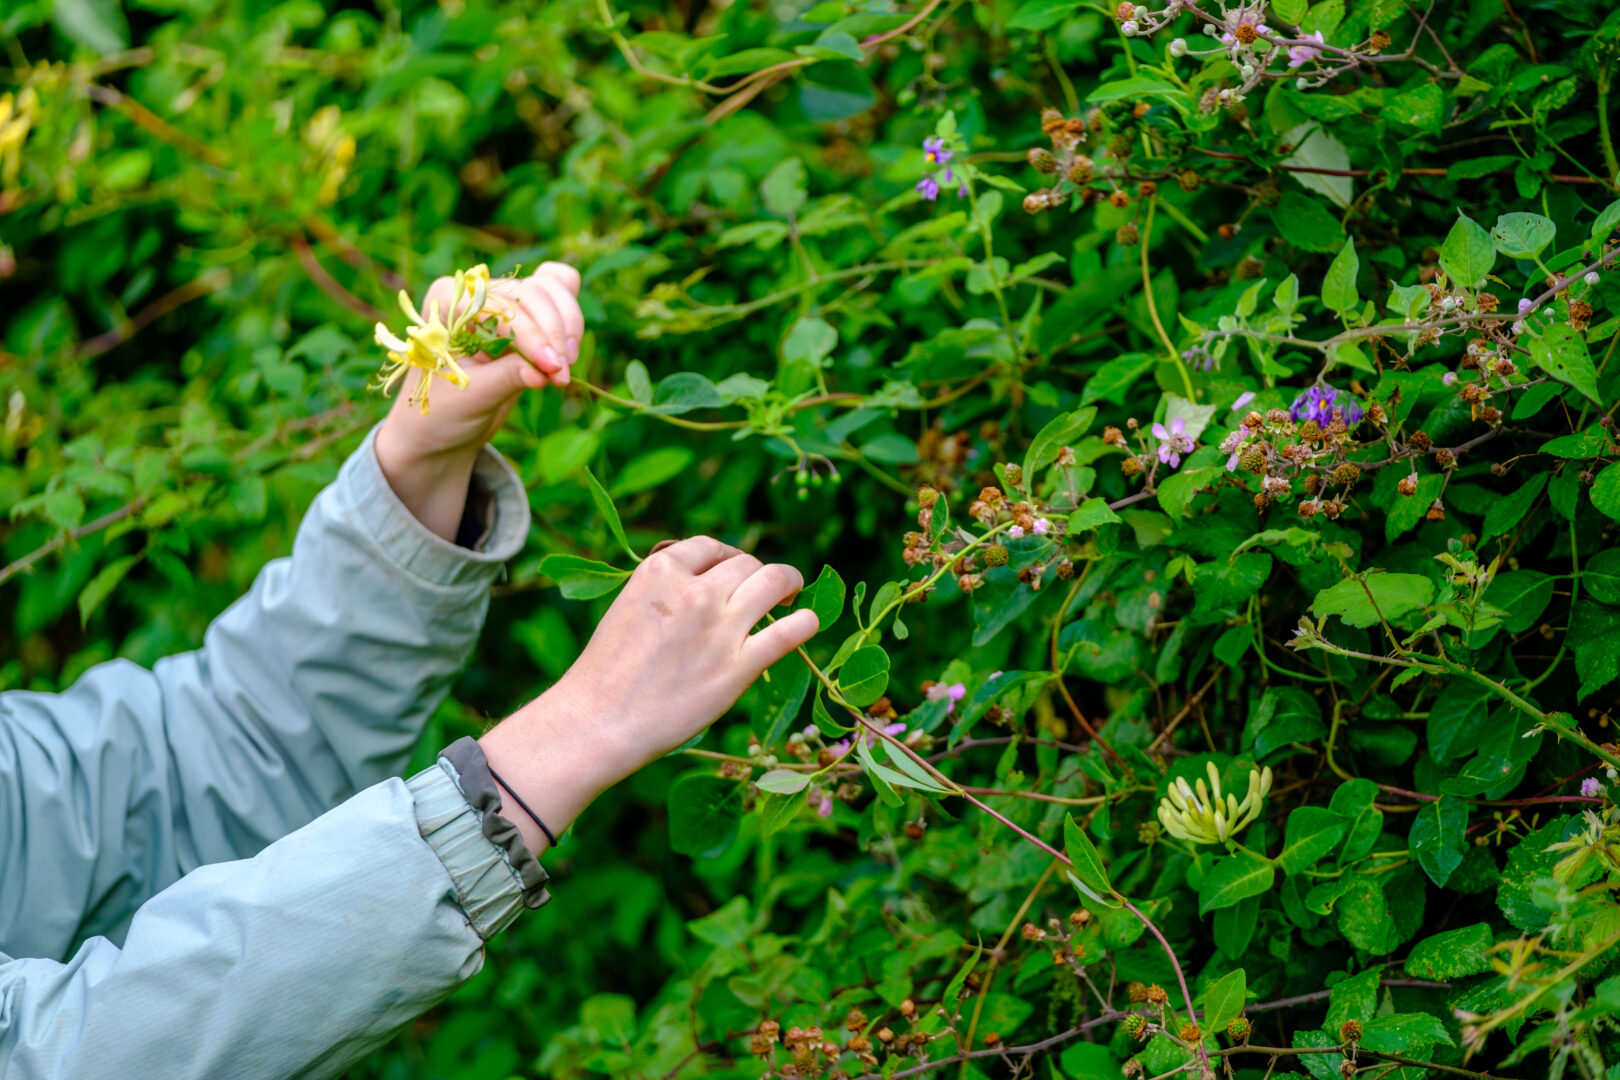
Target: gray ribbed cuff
416 548
457 813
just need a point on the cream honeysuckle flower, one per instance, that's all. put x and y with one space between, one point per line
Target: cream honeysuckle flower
1204 815
431 345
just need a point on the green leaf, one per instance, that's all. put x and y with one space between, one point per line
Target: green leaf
101 586
1306 224
1234 878
1117 376
1404 1033
864 676
1060 431
1456 720
1502 516
1092 514
1042 14
825 597
1312 834
1223 1000
1359 601
784 189
650 470
778 700
1087 863
1525 594
1437 837
1468 254
811 340
636 378
1523 236
783 781
98 25
684 391
1452 954
911 774
883 778
1600 577
1290 11
1562 353
704 812
748 60
1339 288
581 578
1606 491
1605 223
609 512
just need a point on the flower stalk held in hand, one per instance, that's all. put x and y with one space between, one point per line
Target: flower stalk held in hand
435 347
1203 815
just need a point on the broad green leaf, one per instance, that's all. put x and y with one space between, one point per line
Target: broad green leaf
883 778
1452 954
609 512
1307 224
101 586
1437 837
1404 1033
1234 878
1060 431
1502 516
1522 236
704 812
1562 353
1525 594
684 391
1606 491
864 676
779 699
1083 857
1092 514
581 578
1360 601
650 470
1223 1000
783 781
1600 577
825 597
784 187
912 774
1456 720
811 340
1468 254
1339 288
1290 11
1311 835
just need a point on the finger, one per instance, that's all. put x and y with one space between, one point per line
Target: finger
538 306
768 645
726 576
560 272
697 554
567 306
764 589
513 372
531 340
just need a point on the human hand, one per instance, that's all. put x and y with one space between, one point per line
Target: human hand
428 456
673 652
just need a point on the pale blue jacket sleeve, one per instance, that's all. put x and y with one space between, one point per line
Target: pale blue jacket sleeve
315 685
294 963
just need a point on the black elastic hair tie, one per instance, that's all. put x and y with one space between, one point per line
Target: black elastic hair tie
552 840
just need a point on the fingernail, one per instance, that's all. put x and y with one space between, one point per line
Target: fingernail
573 348
548 355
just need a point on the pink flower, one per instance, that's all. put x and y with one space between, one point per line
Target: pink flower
1235 19
1590 787
1042 526
1233 444
1304 54
824 809
1016 532
1243 399
1173 442
839 748
953 693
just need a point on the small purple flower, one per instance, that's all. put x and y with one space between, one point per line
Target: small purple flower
1591 788
1304 54
1525 304
1042 526
1173 441
952 693
825 808
935 151
1235 19
839 748
1233 445
928 188
1243 399
1016 532
1320 403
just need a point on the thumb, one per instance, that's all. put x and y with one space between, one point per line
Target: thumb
509 375
560 272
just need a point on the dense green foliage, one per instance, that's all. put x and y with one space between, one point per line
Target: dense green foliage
1237 450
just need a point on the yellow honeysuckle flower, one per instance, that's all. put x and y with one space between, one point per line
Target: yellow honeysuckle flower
1204 815
431 345
16 117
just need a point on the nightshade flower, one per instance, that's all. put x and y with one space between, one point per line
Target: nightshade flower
1203 815
935 150
1304 54
936 153
1319 403
928 188
1173 442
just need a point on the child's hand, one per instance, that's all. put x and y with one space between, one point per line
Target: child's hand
673 652
428 457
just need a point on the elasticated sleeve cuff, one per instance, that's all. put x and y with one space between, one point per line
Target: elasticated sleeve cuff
458 813
496 499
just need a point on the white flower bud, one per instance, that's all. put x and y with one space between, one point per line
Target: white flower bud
1518 327
1246 70
1449 378
1178 47
1211 31
1448 303
1302 83
1473 350
1591 277
1130 28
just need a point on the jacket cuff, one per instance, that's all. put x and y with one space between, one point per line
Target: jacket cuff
496 500
457 813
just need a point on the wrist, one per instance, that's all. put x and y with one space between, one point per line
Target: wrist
432 483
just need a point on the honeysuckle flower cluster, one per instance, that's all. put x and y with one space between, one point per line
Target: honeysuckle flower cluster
939 155
1205 815
436 347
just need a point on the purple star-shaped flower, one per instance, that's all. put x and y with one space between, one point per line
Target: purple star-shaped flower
928 188
935 151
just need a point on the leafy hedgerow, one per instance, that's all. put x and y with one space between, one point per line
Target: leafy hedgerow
1204 416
